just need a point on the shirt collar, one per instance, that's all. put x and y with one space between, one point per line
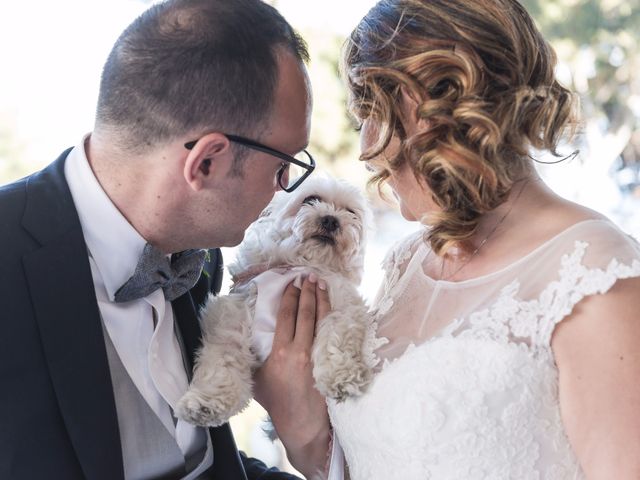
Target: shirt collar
112 241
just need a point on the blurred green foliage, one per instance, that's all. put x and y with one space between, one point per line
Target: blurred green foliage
598 40
334 143
333 136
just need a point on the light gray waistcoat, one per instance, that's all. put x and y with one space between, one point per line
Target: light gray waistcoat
143 436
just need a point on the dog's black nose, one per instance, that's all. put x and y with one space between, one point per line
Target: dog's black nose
329 223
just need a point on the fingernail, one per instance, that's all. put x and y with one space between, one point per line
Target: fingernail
313 278
322 285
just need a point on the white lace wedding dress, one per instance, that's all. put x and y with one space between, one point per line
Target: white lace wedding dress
467 386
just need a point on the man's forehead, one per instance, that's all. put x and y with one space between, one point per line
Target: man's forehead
291 116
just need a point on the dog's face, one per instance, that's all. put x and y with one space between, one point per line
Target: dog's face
323 224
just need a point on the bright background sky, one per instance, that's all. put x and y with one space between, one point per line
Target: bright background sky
52 55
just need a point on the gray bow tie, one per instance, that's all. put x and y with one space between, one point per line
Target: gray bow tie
154 271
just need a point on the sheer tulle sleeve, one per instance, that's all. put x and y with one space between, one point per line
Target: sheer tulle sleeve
394 266
600 257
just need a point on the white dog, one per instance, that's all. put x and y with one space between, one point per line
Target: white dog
318 228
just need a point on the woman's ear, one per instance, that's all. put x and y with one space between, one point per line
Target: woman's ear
409 107
209 160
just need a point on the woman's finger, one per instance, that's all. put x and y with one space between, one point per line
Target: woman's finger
306 321
287 313
323 305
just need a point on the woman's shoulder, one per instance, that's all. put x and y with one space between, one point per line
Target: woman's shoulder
588 254
558 226
579 228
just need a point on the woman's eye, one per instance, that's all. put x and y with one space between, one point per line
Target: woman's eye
370 168
311 199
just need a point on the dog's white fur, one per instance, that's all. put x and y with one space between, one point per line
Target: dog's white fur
289 232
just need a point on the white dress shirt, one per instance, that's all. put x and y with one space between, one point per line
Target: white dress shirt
151 356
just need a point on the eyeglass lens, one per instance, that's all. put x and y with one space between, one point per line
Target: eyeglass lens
291 174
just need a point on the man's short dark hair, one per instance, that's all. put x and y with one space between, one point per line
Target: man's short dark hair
194 65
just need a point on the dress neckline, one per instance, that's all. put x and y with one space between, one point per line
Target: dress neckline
479 279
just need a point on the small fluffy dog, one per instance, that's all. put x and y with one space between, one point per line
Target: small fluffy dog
318 228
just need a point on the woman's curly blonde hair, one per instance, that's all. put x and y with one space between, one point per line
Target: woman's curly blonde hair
483 79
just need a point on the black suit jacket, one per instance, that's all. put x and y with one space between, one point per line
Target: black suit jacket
56 400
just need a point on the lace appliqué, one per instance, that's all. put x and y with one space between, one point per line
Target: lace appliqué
511 319
394 265
490 414
371 343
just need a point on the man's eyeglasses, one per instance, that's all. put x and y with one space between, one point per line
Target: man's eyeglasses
292 172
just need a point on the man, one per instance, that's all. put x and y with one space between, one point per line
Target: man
99 323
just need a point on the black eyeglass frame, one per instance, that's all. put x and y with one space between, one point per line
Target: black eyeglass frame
247 142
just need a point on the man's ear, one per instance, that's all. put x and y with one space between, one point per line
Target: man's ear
210 159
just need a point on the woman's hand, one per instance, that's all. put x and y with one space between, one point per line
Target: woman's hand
284 385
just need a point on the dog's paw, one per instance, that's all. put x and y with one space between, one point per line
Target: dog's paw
347 381
203 411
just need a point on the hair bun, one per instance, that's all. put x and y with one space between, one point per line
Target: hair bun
542 115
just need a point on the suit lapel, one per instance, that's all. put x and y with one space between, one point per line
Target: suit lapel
61 287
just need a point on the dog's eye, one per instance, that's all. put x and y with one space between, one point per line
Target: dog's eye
351 211
311 199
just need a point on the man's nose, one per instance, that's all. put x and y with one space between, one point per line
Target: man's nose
329 223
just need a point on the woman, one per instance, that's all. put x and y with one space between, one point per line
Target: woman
511 324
